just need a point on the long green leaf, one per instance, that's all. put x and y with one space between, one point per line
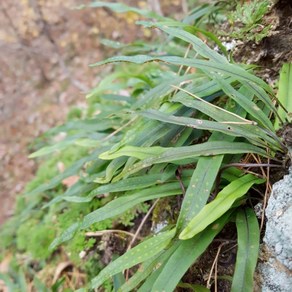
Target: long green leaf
199 189
111 170
196 98
247 253
210 66
185 255
154 96
199 46
87 125
117 207
132 183
262 94
73 169
133 151
150 280
179 153
65 236
247 131
190 154
77 189
248 105
285 94
204 176
140 253
220 205
122 204
148 267
257 135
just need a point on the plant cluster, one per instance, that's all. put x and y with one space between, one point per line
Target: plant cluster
181 126
247 21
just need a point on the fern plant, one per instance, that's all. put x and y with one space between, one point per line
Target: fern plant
168 125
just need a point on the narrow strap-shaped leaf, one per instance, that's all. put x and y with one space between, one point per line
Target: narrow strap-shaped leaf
117 207
195 30
78 188
203 177
185 255
188 154
140 253
211 66
132 183
73 169
122 204
199 46
206 89
86 125
198 12
118 280
284 93
111 170
160 154
248 105
53 148
247 131
248 235
221 204
133 151
199 189
150 280
154 96
148 267
66 235
262 94
257 135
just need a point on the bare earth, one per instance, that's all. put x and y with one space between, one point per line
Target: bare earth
45 50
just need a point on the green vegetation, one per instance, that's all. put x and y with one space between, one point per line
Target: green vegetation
175 127
247 22
284 94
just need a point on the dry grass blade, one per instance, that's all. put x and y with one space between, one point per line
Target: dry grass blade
214 266
101 233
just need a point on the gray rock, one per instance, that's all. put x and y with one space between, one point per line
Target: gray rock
276 271
274 279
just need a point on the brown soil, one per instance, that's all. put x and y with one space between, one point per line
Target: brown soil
35 92
46 48
276 48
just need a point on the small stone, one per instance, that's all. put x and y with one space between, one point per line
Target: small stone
278 248
82 254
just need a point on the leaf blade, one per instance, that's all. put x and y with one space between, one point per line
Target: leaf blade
220 205
185 255
248 234
138 254
210 66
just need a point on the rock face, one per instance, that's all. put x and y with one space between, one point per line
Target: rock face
276 271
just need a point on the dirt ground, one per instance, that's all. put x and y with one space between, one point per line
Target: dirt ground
46 47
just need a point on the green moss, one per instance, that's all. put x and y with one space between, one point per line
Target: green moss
247 20
35 237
